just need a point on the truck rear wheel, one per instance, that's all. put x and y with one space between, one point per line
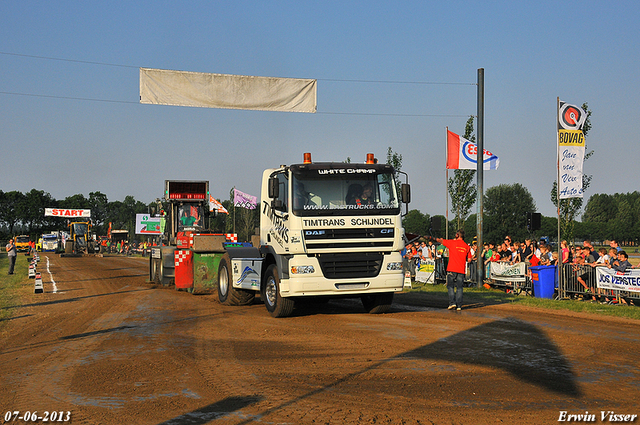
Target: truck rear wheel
227 294
154 274
377 303
277 305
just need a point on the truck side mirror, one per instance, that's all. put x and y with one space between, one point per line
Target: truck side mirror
405 190
274 187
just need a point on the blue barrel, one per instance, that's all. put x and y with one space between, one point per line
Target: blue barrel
544 280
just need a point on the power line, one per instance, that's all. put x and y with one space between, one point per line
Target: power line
319 79
67 60
336 80
363 114
69 98
391 114
434 83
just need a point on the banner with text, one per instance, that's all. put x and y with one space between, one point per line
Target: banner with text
66 213
571 148
618 281
147 225
426 271
508 272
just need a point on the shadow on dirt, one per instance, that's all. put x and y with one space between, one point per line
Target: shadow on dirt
68 300
102 331
213 411
511 345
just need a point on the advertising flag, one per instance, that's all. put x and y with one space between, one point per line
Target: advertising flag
214 205
462 155
571 147
243 200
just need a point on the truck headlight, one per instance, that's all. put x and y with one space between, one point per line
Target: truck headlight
394 266
302 269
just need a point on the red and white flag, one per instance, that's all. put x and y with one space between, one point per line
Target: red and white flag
462 155
214 205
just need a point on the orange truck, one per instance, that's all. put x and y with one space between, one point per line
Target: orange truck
22 243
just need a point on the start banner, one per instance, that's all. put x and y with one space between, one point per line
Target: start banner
67 213
618 281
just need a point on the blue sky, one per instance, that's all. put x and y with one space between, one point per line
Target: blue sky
71 121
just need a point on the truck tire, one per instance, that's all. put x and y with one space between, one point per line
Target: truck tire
154 272
277 305
377 303
227 294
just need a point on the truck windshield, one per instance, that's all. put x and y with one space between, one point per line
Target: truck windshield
343 189
80 229
23 239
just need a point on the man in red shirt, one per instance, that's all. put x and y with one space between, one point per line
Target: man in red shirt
456 269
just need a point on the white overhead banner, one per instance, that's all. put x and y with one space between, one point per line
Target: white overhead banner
204 90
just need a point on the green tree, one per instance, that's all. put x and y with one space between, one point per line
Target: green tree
34 204
416 222
462 190
568 209
11 206
77 201
395 160
99 206
506 208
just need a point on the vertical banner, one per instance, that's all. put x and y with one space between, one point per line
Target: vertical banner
571 147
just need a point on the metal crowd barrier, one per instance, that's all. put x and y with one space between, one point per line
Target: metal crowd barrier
568 286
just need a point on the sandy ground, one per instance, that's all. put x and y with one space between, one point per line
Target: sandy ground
109 348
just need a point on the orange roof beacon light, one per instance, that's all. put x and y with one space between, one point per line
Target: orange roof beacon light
307 157
370 159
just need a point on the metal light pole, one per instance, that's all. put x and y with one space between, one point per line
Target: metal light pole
480 169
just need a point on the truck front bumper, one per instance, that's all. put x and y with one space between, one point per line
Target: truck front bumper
304 282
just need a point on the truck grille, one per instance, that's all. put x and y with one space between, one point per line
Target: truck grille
349 238
351 265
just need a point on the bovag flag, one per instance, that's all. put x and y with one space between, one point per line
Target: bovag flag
571 148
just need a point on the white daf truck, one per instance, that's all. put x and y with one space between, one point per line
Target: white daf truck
326 229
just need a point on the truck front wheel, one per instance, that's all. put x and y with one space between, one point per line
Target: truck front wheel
277 305
154 274
227 294
377 303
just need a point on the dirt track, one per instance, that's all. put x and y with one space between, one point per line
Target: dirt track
112 349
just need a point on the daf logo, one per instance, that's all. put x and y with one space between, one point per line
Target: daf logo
314 232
